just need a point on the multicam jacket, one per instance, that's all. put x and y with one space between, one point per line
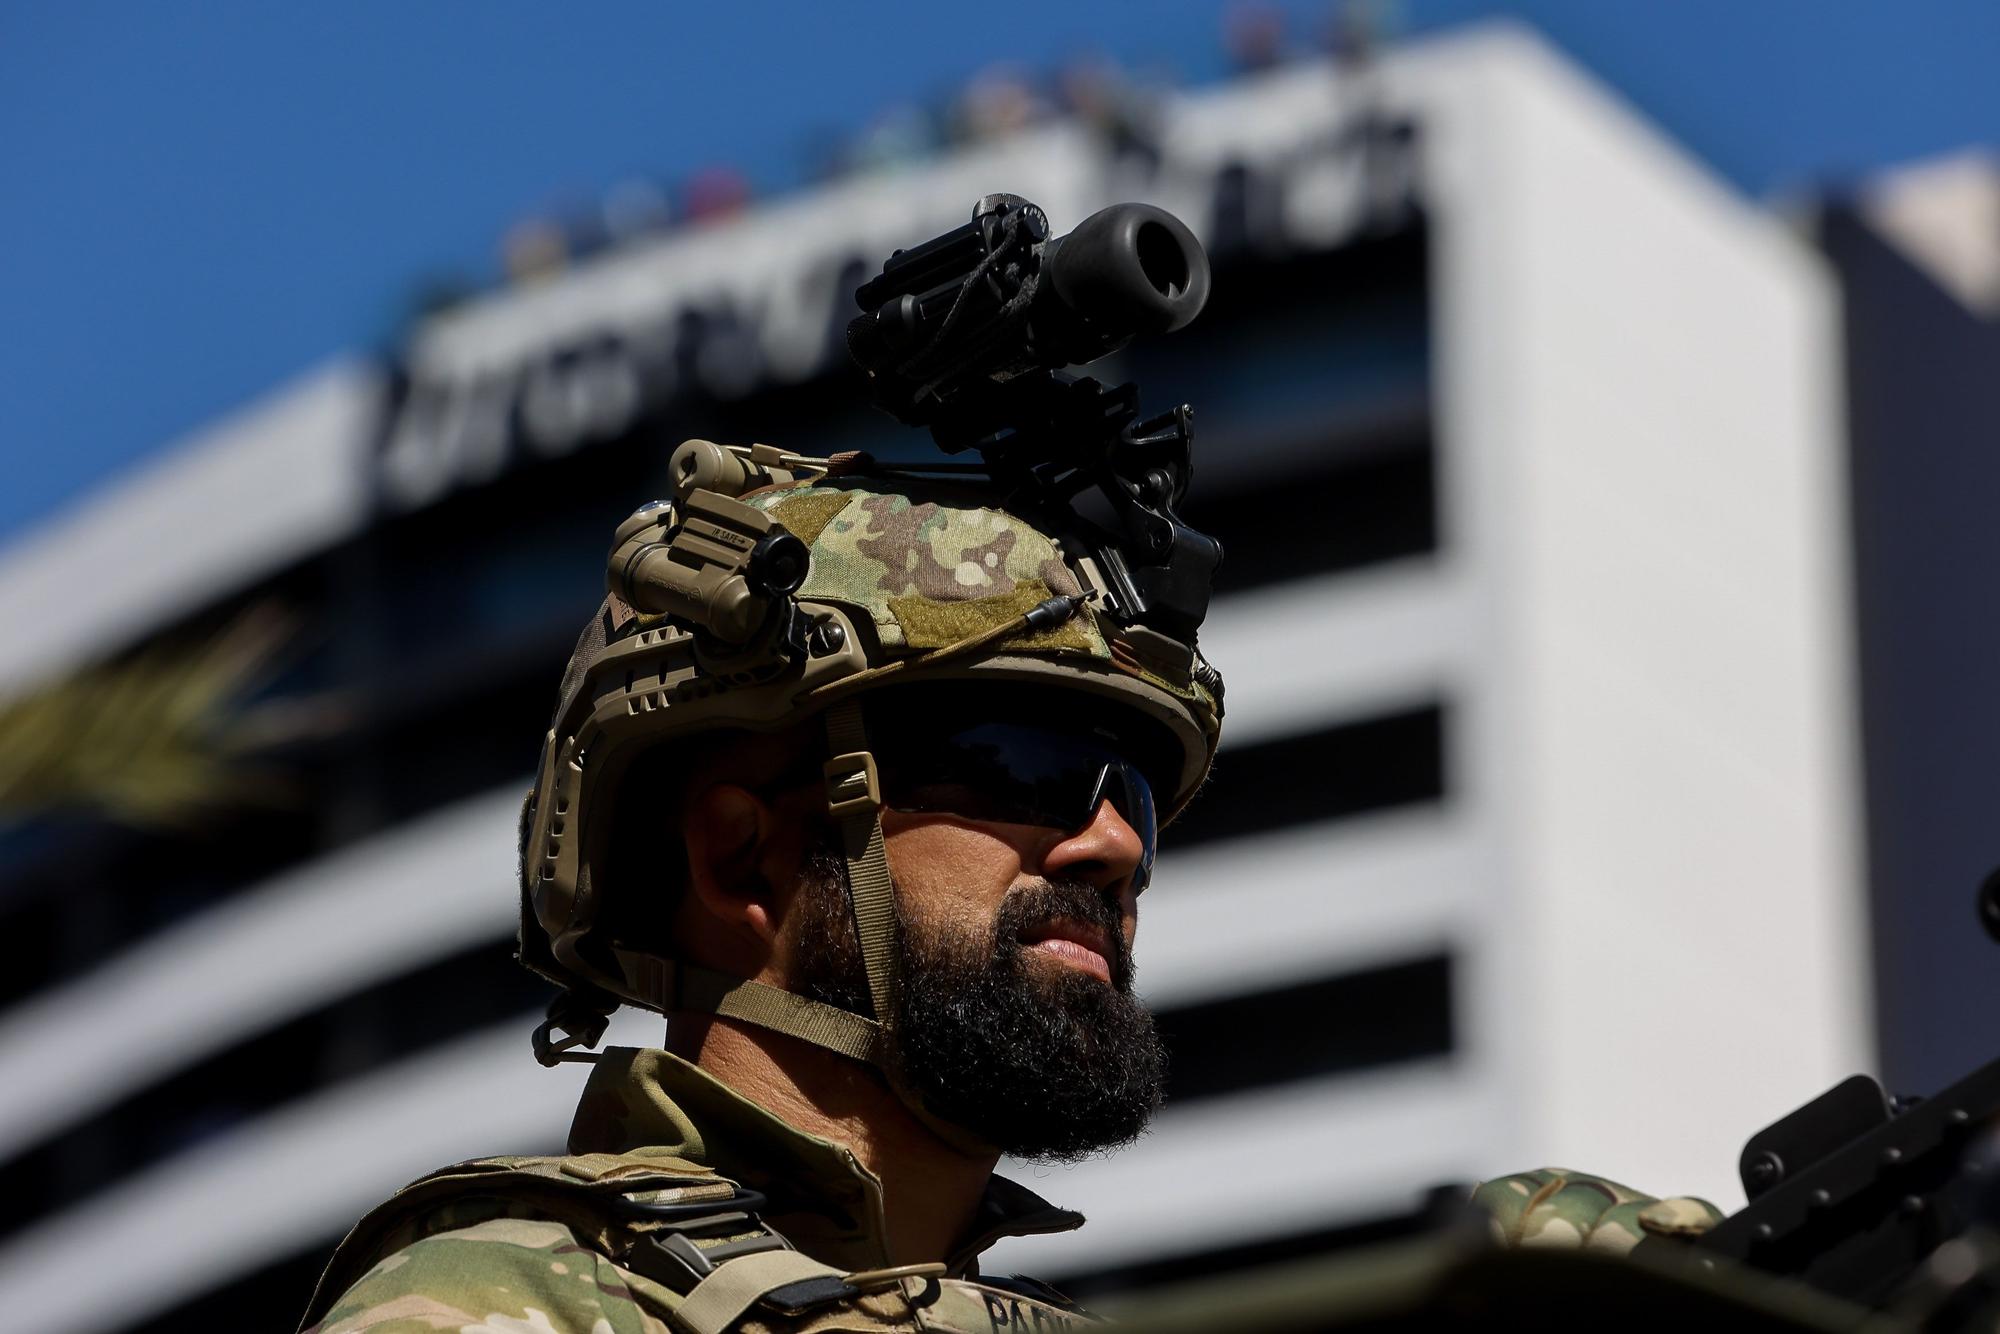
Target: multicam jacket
656 1222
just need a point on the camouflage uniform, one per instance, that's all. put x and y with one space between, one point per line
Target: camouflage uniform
1558 1207
934 582
647 1226
567 1246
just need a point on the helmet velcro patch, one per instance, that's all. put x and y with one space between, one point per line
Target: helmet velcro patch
807 513
928 547
928 623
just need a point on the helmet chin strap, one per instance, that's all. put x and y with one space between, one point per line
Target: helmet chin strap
854 798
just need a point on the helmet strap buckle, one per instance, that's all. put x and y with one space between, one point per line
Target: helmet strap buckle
580 1021
853 786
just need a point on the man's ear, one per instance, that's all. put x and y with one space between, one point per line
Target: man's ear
727 832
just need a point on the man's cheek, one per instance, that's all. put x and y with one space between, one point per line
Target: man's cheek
947 934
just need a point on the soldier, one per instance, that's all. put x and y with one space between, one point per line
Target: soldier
844 1064
856 776
718 841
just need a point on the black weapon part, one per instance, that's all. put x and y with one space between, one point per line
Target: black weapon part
1847 1111
1852 1198
1860 1194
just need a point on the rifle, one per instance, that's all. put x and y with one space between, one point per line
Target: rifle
1870 1197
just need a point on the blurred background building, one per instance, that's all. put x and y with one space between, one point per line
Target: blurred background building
1608 715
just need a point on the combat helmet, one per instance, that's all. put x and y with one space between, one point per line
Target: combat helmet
777 587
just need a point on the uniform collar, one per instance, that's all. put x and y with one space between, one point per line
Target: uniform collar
652 1104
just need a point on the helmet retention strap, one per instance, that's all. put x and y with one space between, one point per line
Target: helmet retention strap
854 798
671 986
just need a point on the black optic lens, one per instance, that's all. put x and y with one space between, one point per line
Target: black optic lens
1012 773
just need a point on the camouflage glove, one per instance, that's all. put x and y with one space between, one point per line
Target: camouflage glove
1556 1207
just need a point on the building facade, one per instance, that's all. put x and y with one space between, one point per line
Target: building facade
1535 832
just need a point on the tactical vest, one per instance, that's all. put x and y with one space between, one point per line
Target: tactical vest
699 1256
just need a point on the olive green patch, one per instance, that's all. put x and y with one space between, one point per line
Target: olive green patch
807 514
928 623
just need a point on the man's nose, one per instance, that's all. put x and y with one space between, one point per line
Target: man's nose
1103 853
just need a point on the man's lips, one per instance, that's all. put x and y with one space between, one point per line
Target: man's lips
1077 944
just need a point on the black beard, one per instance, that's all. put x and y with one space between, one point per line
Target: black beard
1045 1062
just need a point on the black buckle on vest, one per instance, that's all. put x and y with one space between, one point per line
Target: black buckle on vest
670 1255
797 1298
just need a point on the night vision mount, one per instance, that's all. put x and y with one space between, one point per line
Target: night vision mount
969 334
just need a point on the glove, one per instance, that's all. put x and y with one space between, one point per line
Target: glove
1557 1207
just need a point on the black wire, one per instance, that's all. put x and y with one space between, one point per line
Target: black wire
1009 233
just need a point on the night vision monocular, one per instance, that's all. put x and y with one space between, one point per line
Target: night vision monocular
949 326
969 334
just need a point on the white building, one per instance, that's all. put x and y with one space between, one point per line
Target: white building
1552 763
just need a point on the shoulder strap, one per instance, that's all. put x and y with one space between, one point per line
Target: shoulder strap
721 1299
677 1224
791 1285
612 1200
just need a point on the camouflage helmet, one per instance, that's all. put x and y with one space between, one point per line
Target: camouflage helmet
777 588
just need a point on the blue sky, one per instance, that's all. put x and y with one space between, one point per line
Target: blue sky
201 200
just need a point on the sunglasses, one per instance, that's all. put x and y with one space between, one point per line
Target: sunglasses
1018 773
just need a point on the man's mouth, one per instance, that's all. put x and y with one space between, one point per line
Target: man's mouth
1077 944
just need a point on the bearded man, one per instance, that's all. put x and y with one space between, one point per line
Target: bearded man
856 777
875 848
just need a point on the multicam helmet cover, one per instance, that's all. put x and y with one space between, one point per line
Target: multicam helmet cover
903 581
777 588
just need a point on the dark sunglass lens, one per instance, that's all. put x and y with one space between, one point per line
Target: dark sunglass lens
1132 796
1031 775
1019 774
